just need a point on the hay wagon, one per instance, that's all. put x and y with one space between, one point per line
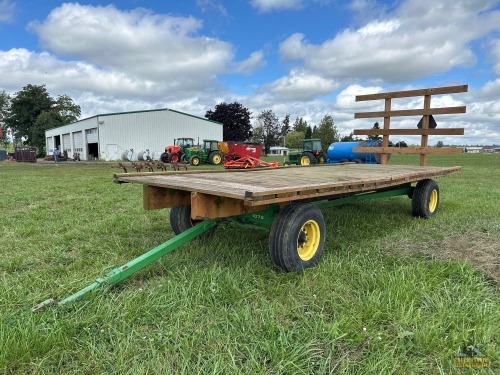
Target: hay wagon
287 201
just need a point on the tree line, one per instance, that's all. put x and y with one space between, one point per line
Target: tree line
32 111
269 130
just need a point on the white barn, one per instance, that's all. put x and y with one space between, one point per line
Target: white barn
114 135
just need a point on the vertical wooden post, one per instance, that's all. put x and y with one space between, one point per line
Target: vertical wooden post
425 125
387 125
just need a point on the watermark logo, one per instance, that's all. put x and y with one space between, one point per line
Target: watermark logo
470 356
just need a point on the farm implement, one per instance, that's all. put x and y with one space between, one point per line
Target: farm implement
287 201
243 156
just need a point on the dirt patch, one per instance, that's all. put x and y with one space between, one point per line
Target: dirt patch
479 248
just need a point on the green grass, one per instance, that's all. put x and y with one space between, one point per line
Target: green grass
392 294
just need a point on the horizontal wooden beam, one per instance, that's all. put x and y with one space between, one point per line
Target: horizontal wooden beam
412 112
409 93
206 206
409 150
443 131
155 197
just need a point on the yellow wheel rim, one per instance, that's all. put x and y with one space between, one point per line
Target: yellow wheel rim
433 200
216 159
304 160
321 160
308 240
196 161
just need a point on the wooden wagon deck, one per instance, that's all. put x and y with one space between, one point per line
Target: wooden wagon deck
215 194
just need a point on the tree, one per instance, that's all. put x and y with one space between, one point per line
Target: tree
271 129
4 112
350 138
300 125
308 133
67 109
46 120
285 128
375 137
32 102
235 119
327 132
401 144
26 106
294 139
440 144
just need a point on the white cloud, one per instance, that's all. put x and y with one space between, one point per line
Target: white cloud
269 5
301 86
137 42
7 9
414 43
254 62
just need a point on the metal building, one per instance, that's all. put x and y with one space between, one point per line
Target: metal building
130 135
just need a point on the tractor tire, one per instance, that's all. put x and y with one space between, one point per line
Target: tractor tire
174 158
194 161
215 158
307 158
357 161
183 158
297 237
322 158
180 221
164 158
425 199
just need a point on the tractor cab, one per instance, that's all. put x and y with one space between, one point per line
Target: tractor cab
176 152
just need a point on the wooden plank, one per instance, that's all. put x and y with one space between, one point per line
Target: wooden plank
205 206
411 112
409 150
443 131
155 197
409 93
384 158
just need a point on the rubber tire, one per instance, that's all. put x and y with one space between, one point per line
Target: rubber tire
284 236
164 158
183 158
215 158
425 200
308 155
322 158
194 161
180 221
174 158
357 161
343 160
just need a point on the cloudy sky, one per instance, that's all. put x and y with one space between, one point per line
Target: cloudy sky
306 58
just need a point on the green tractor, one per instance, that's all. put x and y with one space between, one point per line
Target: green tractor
209 153
311 153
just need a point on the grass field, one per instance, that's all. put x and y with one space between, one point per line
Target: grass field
392 293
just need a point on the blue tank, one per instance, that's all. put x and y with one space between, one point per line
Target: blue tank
340 152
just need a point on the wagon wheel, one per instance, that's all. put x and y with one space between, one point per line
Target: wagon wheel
194 160
357 161
343 160
307 158
215 158
180 221
297 237
425 199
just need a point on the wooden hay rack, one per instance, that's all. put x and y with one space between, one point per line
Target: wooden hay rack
426 112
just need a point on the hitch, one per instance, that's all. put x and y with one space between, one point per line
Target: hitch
118 274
